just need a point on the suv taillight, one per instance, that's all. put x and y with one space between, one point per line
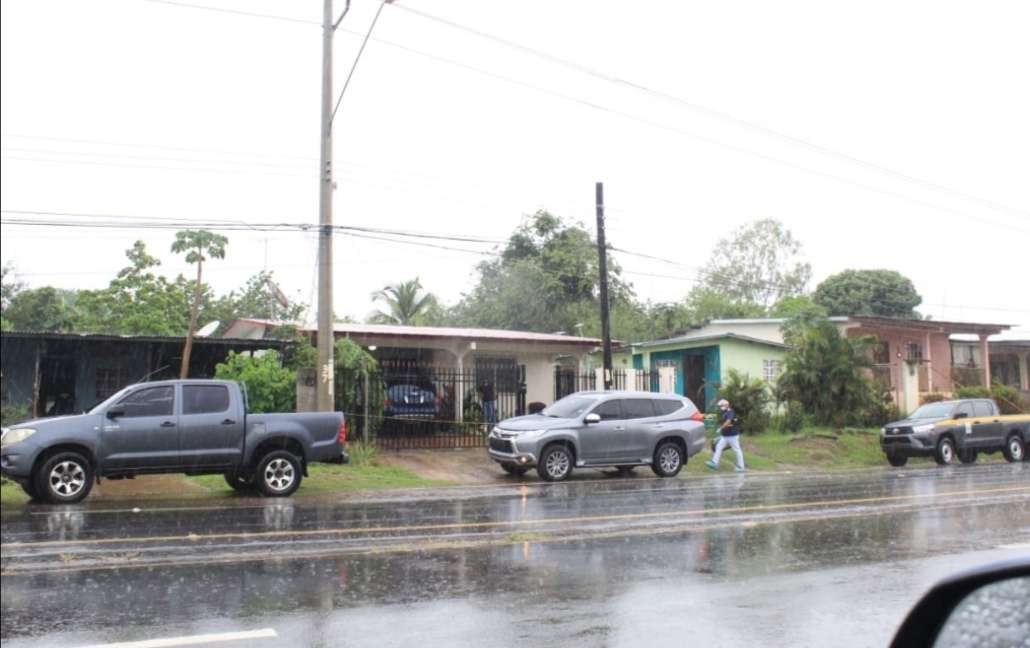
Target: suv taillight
341 434
697 416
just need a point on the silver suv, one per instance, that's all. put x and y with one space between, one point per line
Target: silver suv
600 429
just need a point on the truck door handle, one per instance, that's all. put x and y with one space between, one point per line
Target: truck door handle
228 422
168 424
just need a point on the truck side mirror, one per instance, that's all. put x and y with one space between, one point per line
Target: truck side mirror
592 418
962 415
115 413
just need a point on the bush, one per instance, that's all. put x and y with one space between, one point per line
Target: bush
1009 399
932 397
749 398
14 413
270 386
793 418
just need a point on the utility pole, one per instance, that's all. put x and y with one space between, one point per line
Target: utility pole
324 401
602 264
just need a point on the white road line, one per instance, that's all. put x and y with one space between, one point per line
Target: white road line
171 642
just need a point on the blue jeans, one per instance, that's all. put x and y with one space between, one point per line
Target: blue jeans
490 411
733 442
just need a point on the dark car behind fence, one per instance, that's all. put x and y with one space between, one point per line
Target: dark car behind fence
415 405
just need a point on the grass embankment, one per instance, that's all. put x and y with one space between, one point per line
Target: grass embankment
365 473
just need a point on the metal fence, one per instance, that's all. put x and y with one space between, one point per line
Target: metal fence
405 405
568 381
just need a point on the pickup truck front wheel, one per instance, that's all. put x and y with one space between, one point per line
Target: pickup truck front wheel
65 478
1015 449
278 474
896 460
945 454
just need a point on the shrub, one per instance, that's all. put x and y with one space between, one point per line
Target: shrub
270 386
749 398
932 397
793 418
14 413
1009 399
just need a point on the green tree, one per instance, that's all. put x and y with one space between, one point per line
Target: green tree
793 306
259 298
705 304
40 309
270 386
823 373
757 265
198 245
352 366
750 399
868 292
545 279
405 303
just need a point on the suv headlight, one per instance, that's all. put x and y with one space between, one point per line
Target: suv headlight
530 434
15 435
919 429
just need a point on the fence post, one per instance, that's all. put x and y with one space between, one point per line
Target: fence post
364 430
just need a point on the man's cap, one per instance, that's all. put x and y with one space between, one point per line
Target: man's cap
722 402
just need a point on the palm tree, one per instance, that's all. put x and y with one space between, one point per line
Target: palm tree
196 244
406 303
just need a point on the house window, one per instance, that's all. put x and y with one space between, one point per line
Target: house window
109 381
882 352
965 355
771 370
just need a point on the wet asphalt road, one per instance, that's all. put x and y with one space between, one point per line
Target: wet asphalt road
772 560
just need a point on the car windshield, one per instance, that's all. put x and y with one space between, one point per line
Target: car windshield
570 407
933 410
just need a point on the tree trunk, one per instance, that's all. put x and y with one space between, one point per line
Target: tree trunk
194 314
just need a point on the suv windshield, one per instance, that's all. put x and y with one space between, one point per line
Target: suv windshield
570 407
933 410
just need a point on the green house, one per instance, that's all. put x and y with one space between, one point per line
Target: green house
701 362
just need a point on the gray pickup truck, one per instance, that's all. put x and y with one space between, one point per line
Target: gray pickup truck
194 427
956 429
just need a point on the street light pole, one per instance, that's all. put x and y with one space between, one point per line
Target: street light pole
324 394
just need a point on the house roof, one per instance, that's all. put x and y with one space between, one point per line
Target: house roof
937 326
766 320
107 337
709 338
438 332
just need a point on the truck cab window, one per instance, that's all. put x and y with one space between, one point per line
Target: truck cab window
154 401
204 399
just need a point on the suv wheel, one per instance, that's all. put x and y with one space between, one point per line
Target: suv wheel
239 483
945 454
278 474
668 460
1015 450
555 463
897 460
65 478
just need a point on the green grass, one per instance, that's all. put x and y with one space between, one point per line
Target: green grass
11 493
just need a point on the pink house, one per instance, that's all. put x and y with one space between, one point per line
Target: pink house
915 357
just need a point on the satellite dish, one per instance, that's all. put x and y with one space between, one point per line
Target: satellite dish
208 329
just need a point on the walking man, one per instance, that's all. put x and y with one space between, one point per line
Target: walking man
729 435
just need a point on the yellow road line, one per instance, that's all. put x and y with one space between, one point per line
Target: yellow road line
509 523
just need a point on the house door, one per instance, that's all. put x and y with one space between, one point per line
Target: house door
56 386
694 378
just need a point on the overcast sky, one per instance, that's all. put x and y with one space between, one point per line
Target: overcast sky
143 108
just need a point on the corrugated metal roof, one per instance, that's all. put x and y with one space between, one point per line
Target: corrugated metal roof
459 333
107 337
708 338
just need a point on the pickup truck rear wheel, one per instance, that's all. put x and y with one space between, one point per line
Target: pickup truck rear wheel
897 460
945 454
1015 449
65 478
278 474
239 483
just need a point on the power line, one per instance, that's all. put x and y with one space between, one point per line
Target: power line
238 12
707 110
102 142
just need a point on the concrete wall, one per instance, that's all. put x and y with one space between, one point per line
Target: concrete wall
748 357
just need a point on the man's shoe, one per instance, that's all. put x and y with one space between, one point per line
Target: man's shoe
741 470
712 465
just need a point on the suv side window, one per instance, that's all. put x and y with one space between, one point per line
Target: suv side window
153 401
667 406
609 410
204 399
983 408
638 408
965 408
